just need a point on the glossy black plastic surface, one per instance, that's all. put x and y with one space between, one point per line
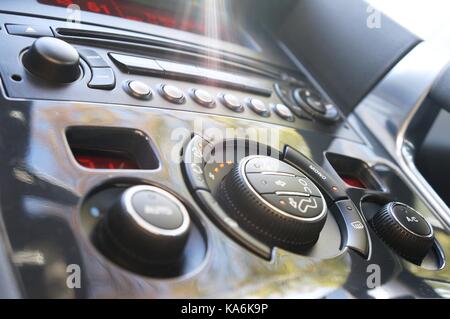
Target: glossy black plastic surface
44 228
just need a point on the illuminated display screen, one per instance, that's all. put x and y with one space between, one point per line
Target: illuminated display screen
104 160
196 16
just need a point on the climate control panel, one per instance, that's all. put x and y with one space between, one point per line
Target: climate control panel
266 198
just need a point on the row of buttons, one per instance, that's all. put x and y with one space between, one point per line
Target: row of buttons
173 94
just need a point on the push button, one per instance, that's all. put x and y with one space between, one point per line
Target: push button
203 98
300 206
172 94
102 78
157 209
264 183
269 164
134 64
412 220
138 89
283 92
29 30
284 112
93 58
353 227
314 101
258 107
232 102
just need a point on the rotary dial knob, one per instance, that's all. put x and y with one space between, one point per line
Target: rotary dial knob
53 60
147 223
274 201
405 230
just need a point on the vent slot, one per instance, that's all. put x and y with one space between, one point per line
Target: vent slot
111 148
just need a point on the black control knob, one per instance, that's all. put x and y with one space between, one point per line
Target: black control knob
147 223
313 104
53 60
274 202
404 230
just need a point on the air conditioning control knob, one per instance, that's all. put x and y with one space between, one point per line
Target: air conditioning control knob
148 223
405 230
53 60
274 202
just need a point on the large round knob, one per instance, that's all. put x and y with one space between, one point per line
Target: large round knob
274 202
53 60
404 230
148 223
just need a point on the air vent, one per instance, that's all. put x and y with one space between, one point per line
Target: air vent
111 148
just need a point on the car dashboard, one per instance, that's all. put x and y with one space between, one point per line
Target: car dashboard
216 149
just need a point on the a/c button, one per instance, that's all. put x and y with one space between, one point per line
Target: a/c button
157 210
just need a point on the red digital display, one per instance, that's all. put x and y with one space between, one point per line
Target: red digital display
353 181
104 160
183 15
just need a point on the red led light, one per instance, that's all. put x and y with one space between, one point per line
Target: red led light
354 182
105 161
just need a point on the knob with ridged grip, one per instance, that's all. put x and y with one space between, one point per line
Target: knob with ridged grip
405 230
274 202
146 223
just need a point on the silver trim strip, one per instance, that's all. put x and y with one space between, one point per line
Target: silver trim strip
292 194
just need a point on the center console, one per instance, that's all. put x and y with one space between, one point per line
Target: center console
185 166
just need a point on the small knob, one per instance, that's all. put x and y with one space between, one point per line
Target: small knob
148 223
53 60
274 201
405 230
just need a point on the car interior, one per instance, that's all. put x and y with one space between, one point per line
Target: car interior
223 149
